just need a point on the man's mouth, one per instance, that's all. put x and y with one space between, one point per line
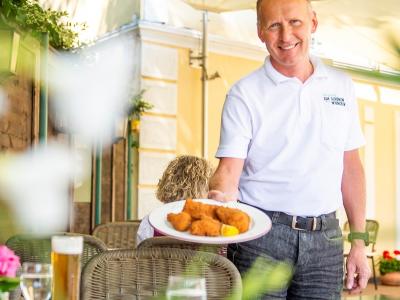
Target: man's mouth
289 47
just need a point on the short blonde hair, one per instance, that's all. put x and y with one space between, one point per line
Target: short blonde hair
185 177
258 10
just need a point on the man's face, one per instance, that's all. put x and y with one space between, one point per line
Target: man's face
285 26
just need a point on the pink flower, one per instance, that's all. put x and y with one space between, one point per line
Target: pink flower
9 262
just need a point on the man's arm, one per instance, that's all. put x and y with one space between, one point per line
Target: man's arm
225 181
353 191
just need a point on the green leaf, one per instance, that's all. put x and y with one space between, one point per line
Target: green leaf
30 16
265 275
8 283
389 265
139 106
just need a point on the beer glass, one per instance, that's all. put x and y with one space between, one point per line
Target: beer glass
36 281
65 258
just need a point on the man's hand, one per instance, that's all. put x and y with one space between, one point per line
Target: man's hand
358 271
221 196
224 183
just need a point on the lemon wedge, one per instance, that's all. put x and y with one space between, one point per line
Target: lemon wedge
228 230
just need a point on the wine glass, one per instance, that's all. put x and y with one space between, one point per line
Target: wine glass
36 281
186 288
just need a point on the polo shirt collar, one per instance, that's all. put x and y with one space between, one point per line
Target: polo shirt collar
277 77
319 68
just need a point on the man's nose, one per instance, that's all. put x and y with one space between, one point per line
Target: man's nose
286 33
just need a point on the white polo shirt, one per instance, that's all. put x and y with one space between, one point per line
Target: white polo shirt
292 136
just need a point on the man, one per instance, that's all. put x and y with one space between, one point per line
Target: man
289 146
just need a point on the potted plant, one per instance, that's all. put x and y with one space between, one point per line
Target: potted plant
9 264
137 107
389 267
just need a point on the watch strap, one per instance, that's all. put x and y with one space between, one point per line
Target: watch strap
359 236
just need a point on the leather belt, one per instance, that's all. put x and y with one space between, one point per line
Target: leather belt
322 222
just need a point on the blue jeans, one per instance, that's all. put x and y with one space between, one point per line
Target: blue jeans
316 256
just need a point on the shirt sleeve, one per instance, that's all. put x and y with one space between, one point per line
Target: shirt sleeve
236 128
355 138
145 230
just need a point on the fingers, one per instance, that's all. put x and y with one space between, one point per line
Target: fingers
363 280
356 282
360 283
350 276
358 271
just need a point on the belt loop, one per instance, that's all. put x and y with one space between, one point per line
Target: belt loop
314 224
323 222
275 216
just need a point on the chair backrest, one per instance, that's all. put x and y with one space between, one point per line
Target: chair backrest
118 235
31 248
168 242
143 273
371 226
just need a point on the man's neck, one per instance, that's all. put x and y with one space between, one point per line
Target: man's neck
301 72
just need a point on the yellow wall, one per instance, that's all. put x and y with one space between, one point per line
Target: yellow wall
189 116
231 69
385 175
385 170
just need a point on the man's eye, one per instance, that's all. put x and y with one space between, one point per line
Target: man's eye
274 26
295 22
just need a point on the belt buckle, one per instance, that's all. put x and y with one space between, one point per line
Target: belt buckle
294 223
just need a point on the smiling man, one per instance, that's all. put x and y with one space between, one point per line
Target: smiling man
289 146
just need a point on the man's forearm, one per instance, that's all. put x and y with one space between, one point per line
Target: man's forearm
226 178
353 191
218 183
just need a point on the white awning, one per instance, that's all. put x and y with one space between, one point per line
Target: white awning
222 5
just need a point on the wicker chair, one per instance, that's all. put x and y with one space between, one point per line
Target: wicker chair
168 242
143 273
118 235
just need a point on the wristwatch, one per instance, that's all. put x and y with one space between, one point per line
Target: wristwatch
359 236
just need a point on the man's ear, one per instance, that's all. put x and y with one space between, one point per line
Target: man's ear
260 33
314 22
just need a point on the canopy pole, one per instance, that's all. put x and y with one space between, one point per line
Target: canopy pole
98 162
43 102
204 85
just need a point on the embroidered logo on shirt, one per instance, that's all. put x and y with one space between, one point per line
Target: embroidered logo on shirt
334 100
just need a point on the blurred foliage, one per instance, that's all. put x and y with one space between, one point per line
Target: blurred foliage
138 106
389 265
8 225
8 284
29 16
265 276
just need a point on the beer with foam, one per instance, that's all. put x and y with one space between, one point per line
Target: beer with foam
65 258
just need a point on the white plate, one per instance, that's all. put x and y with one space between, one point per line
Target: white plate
260 223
